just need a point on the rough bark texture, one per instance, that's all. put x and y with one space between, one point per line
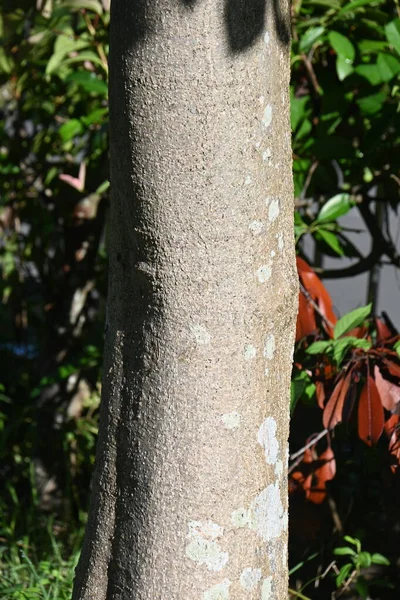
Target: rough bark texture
189 492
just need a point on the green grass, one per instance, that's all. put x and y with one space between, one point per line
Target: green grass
40 567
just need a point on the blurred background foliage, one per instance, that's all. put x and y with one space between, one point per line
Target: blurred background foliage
345 96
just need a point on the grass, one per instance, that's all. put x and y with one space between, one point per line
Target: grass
40 567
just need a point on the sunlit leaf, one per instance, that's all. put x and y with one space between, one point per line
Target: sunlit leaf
392 31
388 65
335 207
319 347
351 320
310 37
342 46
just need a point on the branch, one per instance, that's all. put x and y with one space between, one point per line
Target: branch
315 439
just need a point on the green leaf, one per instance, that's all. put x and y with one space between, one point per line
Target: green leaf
297 388
310 37
392 31
362 588
298 110
379 559
335 207
97 116
89 82
83 56
364 559
351 320
320 347
370 72
331 239
6 62
396 348
342 46
356 542
372 104
343 574
344 551
388 65
70 129
344 68
92 5
340 348
354 5
64 44
371 46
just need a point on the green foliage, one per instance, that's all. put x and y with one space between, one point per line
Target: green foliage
359 560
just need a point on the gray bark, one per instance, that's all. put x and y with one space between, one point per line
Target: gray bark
189 491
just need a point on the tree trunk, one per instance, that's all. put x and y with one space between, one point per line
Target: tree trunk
189 492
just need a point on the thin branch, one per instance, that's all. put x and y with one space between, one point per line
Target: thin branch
315 439
315 305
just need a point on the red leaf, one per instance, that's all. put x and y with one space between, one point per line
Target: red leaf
358 332
391 424
320 393
382 331
392 431
318 293
328 470
392 367
389 392
370 413
306 322
334 409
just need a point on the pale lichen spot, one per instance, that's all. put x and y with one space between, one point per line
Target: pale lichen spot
266 155
273 209
268 515
231 420
273 253
266 38
267 116
203 547
241 517
281 243
266 371
269 348
201 334
256 227
249 352
247 181
267 439
266 589
249 578
218 592
264 273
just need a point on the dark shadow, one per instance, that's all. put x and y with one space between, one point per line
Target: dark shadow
245 21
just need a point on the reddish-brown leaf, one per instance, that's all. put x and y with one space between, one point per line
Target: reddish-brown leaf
382 331
320 393
327 470
370 413
388 391
334 409
358 332
392 431
306 322
318 293
392 367
392 422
